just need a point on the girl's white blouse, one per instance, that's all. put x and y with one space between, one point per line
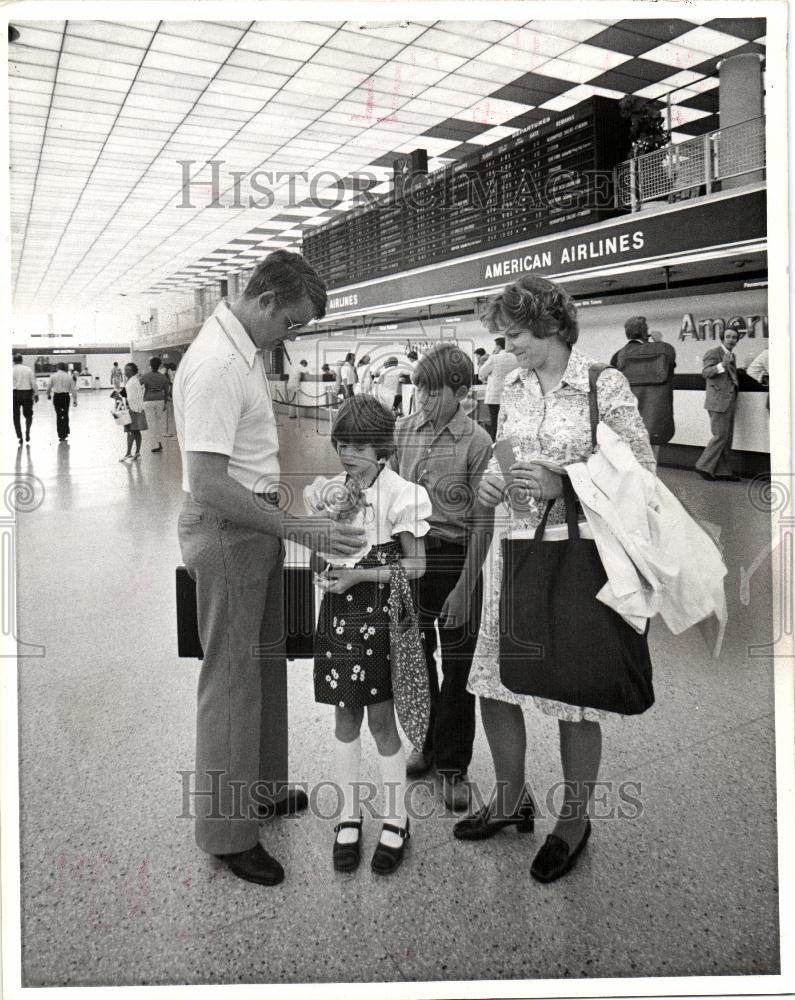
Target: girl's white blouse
394 505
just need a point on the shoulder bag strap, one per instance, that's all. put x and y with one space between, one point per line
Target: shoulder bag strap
593 374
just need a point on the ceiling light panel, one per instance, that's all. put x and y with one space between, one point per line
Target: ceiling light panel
594 55
443 62
114 32
676 56
177 85
23 55
267 69
467 46
281 48
222 35
536 43
562 69
472 85
105 83
716 43
693 81
485 31
189 48
201 69
492 111
336 59
29 86
681 116
94 49
575 31
346 41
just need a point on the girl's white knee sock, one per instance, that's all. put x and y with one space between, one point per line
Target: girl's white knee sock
393 774
347 763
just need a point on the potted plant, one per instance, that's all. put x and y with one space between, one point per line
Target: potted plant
647 130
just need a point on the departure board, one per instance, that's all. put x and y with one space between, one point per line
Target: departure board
552 176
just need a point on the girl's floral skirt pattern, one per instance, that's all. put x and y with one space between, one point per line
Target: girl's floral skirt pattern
352 667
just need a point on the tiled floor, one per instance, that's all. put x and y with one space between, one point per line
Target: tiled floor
114 890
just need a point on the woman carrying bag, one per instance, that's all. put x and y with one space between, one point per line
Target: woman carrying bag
133 392
542 630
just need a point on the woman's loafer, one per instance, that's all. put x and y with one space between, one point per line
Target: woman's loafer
555 858
346 857
387 859
481 825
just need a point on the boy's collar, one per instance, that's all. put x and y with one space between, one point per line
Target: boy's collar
456 424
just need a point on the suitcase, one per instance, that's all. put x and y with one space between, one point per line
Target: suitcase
299 614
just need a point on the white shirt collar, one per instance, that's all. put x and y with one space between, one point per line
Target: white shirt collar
236 332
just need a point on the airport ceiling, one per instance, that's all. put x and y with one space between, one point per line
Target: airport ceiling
113 127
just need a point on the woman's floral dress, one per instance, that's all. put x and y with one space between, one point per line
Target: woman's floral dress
556 427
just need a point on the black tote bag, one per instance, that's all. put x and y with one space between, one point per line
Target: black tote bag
557 640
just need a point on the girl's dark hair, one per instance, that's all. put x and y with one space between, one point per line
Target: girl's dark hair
133 365
537 305
363 420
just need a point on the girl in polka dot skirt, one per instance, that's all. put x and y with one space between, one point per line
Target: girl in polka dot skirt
352 668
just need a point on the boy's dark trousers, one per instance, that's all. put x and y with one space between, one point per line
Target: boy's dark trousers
451 733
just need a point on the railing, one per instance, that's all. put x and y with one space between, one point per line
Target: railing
688 169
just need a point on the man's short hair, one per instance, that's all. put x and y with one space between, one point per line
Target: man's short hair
154 364
61 366
17 359
480 351
636 328
500 342
443 365
290 278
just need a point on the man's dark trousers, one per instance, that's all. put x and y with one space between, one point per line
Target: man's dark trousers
23 400
60 400
451 733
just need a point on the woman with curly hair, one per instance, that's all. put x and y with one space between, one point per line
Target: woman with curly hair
545 417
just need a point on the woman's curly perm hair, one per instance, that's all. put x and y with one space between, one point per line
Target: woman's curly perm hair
536 304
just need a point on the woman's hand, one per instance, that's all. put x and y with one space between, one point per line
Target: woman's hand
539 479
491 491
455 610
336 581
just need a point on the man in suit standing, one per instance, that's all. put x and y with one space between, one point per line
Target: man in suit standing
649 365
720 371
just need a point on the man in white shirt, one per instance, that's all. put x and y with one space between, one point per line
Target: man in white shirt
348 374
26 393
60 387
388 382
231 533
493 372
